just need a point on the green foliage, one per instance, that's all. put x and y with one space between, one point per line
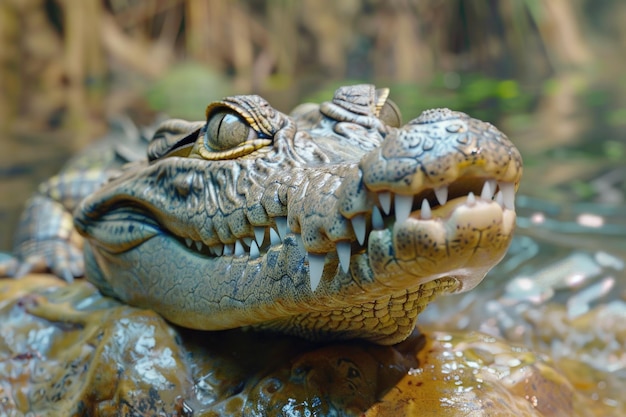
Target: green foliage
186 89
616 117
582 189
614 150
480 96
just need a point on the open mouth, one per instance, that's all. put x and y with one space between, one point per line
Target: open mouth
427 205
390 210
482 200
434 203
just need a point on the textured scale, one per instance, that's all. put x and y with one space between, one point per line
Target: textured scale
335 222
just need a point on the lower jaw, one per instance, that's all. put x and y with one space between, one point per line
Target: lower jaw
384 321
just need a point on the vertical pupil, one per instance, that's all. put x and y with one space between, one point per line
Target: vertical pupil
228 119
226 130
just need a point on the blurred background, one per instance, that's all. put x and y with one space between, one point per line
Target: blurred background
550 73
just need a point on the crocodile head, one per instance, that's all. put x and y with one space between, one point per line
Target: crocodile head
335 222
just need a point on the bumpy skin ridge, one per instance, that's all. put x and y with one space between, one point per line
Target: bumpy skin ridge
329 223
46 238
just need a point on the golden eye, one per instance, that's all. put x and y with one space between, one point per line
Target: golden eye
227 130
390 114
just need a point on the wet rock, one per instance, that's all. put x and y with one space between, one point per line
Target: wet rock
67 350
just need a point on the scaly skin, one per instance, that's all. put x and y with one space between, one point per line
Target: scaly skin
46 238
281 222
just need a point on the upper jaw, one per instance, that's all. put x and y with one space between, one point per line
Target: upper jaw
349 216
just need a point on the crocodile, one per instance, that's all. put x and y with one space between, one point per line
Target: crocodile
337 221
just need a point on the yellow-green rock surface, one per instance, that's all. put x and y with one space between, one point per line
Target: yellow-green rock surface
67 350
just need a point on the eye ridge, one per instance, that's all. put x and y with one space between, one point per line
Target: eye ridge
228 134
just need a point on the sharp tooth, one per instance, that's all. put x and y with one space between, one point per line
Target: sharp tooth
198 245
426 213
316 269
471 199
377 219
188 242
281 226
229 249
259 234
358 225
508 194
274 238
499 198
442 195
218 250
343 251
254 250
403 206
487 192
385 201
238 248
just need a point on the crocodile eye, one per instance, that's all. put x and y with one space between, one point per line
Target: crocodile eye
390 114
226 130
